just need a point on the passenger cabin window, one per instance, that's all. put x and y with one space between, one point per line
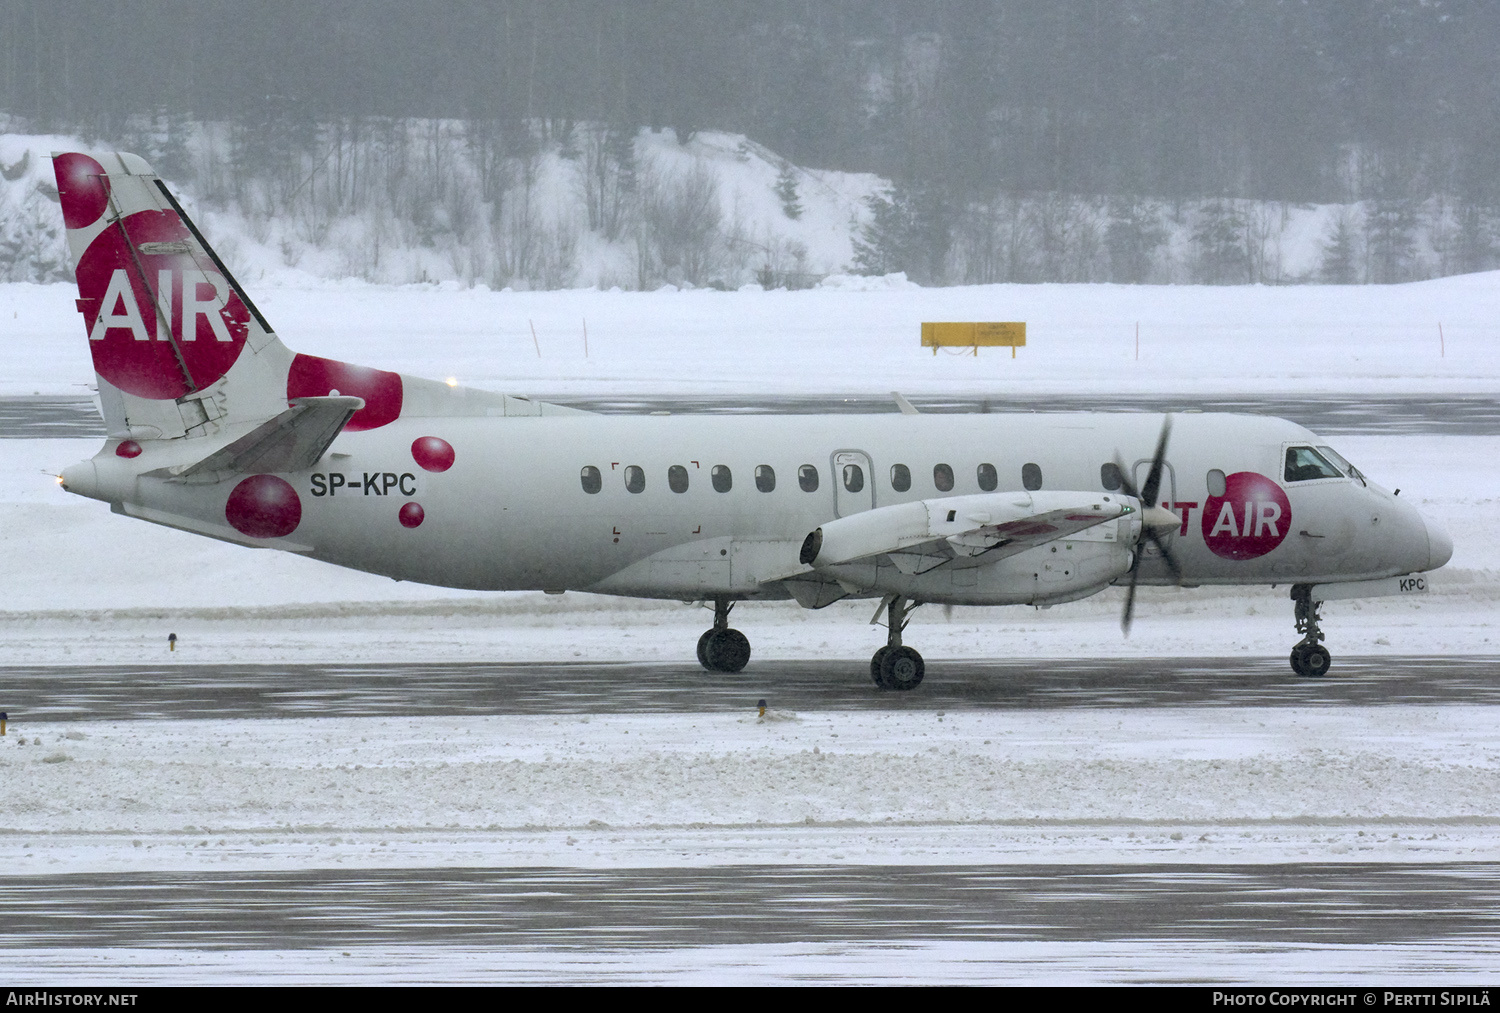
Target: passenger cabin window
635 479
1031 476
807 478
677 478
1303 464
723 481
989 478
854 477
900 477
942 477
591 479
765 477
1109 476
1217 484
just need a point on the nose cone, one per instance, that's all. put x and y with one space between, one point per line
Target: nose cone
1439 544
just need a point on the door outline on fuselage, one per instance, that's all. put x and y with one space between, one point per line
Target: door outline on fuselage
1142 470
844 501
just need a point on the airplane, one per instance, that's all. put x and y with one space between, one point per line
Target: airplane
216 427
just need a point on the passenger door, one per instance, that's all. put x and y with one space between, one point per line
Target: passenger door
853 482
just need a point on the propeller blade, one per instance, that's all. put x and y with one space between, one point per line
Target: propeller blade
1153 478
1147 497
1129 612
1166 556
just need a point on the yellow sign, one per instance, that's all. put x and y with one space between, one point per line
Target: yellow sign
974 335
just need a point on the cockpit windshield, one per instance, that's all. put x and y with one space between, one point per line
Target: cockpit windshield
1304 464
1341 463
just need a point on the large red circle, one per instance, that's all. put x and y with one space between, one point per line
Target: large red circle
82 189
432 453
1249 520
130 351
264 506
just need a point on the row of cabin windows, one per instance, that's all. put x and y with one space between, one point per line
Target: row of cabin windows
853 477
1302 464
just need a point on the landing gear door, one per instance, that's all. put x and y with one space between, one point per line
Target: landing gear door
853 482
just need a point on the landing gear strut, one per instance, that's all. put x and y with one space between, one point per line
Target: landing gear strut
895 666
1309 657
722 649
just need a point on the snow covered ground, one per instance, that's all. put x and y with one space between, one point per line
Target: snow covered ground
1160 785
854 335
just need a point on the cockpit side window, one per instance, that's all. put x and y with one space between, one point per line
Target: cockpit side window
1303 464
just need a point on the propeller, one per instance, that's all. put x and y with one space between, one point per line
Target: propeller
1153 519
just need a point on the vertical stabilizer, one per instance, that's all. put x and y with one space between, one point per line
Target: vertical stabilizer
178 347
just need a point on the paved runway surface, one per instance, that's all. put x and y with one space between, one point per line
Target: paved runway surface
574 908
173 691
48 417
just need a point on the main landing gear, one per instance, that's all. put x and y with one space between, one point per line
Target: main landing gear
722 649
895 666
1309 657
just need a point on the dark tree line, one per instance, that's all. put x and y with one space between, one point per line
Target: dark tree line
1307 100
1028 140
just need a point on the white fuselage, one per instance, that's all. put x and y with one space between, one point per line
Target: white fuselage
513 511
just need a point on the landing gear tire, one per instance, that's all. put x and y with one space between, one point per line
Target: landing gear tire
901 668
1315 661
875 661
1311 660
724 650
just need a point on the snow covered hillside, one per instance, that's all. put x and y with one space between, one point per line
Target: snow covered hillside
543 206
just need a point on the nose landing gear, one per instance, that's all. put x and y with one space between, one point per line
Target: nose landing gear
895 666
722 649
1309 657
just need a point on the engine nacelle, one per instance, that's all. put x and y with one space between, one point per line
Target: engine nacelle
1061 570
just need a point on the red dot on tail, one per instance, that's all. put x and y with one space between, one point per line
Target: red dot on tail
412 515
82 189
432 453
128 448
264 506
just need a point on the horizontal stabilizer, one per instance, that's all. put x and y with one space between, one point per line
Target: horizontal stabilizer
292 441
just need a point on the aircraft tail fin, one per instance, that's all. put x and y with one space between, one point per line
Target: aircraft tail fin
181 351
179 348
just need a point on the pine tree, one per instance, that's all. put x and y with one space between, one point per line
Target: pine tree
1133 237
786 190
1219 245
1340 264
